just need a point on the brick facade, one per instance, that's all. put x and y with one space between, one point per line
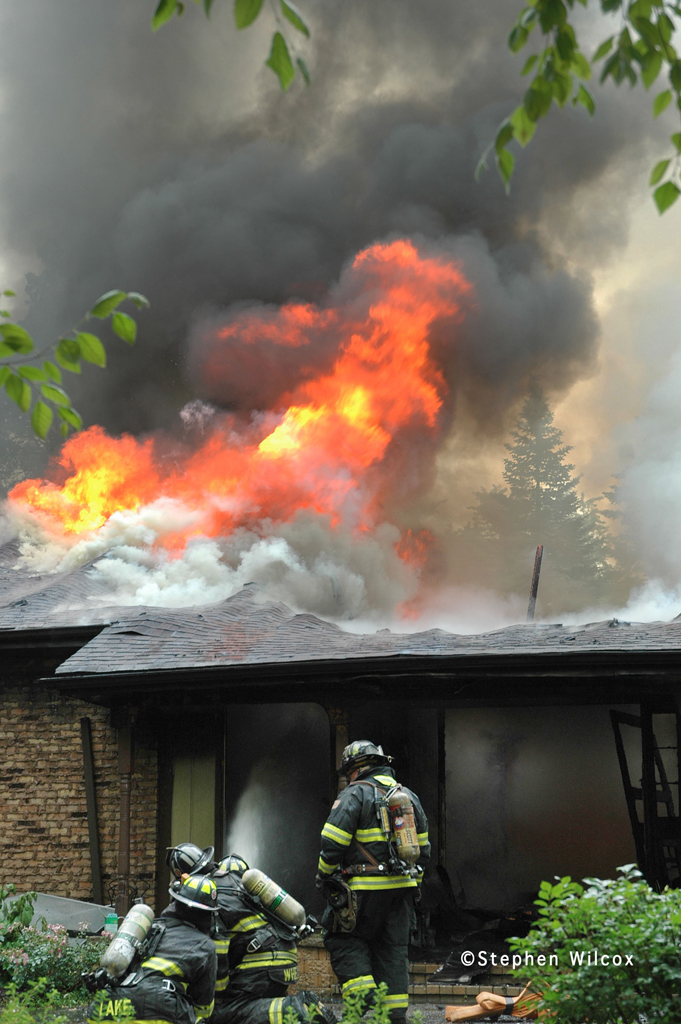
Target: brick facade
44 843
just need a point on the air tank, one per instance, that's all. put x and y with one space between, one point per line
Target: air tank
274 898
120 952
404 832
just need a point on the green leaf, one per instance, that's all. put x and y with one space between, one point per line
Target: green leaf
523 127
41 419
69 415
107 303
52 371
19 391
4 374
665 26
280 61
207 4
292 14
517 38
303 68
125 327
640 9
163 13
650 67
139 300
676 139
675 75
4 312
67 355
666 195
538 98
7 291
91 348
54 394
64 429
580 65
660 103
6 350
504 136
529 64
586 100
17 338
562 88
505 163
31 373
658 171
605 47
246 11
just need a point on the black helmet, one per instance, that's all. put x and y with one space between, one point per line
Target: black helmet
234 863
362 754
188 858
196 891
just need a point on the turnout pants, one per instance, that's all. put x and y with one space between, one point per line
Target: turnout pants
153 999
244 1010
377 950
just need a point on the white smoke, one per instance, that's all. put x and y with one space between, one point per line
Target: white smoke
304 563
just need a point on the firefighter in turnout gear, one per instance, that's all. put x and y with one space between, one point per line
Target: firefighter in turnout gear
369 887
257 956
173 980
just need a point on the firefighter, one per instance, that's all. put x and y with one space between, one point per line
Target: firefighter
370 889
257 953
176 983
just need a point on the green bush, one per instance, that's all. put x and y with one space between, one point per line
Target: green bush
47 953
37 1004
580 932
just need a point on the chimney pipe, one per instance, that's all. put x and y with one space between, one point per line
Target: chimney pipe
535 582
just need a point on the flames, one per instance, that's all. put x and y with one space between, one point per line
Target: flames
326 449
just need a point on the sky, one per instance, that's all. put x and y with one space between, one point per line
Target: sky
172 164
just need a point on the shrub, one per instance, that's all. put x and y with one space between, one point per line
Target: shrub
578 929
47 953
36 1004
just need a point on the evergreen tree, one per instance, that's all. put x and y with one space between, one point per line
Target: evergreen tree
541 504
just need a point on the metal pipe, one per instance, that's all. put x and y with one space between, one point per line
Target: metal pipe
441 790
91 805
535 582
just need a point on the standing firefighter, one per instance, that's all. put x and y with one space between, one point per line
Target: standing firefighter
257 952
173 978
376 832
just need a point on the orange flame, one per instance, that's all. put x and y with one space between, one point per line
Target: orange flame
317 453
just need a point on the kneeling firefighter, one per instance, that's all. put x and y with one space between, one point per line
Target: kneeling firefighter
376 832
257 928
171 977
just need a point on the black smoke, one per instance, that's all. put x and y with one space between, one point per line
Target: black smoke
171 163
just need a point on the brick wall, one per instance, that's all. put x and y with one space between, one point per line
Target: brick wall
44 841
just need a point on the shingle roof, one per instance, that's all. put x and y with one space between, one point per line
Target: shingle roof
247 629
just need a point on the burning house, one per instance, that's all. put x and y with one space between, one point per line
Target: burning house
188 642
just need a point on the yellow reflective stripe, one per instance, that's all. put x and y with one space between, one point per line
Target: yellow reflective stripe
385 780
204 1011
221 984
273 957
325 867
363 983
337 835
397 1001
276 1011
370 835
167 967
128 1020
422 838
381 882
248 924
222 946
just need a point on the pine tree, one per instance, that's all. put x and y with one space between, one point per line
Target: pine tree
541 504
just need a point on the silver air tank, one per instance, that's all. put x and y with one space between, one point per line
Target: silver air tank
120 952
276 899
